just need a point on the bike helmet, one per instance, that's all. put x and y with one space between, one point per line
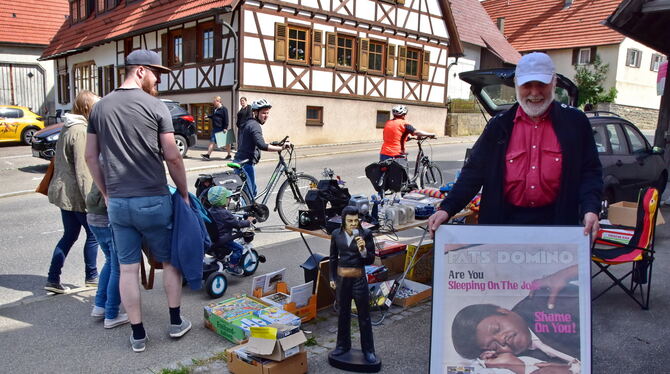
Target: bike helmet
218 196
260 104
399 110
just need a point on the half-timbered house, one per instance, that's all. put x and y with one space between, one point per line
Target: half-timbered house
331 68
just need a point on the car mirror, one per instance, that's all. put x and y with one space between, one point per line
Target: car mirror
657 151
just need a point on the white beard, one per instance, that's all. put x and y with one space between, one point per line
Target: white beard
534 109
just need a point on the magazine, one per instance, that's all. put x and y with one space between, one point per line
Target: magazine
493 310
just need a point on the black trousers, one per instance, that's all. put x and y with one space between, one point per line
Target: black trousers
356 289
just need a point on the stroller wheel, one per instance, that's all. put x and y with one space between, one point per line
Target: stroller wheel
216 285
250 262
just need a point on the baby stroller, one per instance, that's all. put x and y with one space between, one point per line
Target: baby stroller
216 258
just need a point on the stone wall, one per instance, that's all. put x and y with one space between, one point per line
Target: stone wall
463 124
642 117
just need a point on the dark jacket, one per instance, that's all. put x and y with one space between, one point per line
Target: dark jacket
581 174
219 119
243 114
225 223
347 255
250 141
189 240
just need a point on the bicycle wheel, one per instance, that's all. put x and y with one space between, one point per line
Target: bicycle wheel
431 176
250 262
291 197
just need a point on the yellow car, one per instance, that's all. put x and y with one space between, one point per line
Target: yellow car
18 124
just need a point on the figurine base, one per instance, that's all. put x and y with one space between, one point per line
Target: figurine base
354 361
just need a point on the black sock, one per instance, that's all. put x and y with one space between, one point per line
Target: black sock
175 317
138 331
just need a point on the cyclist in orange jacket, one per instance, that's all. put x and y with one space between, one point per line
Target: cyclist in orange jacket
396 132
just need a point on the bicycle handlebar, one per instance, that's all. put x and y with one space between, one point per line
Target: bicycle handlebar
421 137
281 142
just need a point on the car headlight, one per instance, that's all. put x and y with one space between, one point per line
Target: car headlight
53 138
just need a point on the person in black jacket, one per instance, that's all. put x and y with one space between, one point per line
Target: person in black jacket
225 223
536 163
219 119
251 142
351 248
244 113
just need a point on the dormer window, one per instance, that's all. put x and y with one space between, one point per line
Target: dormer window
567 3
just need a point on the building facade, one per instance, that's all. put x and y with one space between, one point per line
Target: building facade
332 70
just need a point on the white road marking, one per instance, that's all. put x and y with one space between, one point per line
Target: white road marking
20 156
361 177
51 232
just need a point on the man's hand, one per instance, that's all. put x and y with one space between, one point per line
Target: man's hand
436 220
591 224
551 368
555 283
287 145
504 361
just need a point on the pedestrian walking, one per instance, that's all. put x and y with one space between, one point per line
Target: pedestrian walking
221 134
132 132
69 186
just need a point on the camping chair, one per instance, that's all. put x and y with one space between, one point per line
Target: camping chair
639 252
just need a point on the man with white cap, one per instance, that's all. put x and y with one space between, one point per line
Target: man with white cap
537 163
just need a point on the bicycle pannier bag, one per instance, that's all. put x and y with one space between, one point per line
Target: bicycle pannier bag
387 175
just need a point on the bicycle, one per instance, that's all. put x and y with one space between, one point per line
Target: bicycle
428 173
290 196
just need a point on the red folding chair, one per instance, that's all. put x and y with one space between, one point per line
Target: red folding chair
639 252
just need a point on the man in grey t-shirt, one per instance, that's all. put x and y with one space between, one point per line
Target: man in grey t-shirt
130 133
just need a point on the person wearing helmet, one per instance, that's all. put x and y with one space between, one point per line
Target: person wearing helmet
396 132
225 222
251 142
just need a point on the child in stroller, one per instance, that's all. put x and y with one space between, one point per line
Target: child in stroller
221 230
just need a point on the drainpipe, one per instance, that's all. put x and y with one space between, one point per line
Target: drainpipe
219 19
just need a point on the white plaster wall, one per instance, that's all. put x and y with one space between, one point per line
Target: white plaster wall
636 86
322 81
344 120
456 88
608 54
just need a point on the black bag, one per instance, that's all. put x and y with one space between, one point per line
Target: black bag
387 175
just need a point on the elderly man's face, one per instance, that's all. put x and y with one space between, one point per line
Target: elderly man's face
506 333
535 97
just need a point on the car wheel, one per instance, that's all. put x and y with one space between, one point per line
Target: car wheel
182 145
27 135
661 182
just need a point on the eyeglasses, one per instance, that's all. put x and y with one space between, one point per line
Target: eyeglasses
156 72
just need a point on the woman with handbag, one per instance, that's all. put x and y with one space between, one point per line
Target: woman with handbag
70 184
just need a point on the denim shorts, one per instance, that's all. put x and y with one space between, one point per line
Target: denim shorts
137 220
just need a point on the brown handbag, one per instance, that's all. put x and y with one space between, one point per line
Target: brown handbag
43 187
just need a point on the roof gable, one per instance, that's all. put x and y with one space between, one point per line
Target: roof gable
26 22
123 20
475 27
536 25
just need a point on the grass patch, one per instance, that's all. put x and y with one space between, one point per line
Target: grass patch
221 356
311 341
181 370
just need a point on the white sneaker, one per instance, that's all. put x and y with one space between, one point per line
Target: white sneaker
120 319
98 312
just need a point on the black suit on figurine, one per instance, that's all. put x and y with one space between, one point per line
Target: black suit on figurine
346 254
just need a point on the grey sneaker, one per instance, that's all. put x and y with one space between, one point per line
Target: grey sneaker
56 287
138 345
120 319
91 282
98 312
177 331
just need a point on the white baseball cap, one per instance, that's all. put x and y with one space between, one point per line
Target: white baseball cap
535 66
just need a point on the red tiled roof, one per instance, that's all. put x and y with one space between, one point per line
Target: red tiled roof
125 19
31 21
475 27
532 25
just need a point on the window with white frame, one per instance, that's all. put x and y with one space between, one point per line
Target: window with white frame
85 77
633 57
584 56
656 61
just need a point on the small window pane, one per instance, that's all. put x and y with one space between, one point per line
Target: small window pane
382 117
297 44
178 43
584 56
637 143
208 44
314 115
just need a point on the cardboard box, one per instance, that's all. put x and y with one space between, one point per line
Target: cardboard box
296 364
387 247
624 213
287 342
422 271
621 236
420 292
231 318
395 262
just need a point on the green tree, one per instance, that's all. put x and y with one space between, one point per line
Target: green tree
589 79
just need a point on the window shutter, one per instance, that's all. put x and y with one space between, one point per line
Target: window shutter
331 49
190 44
639 59
218 42
593 55
425 66
390 59
164 50
363 54
280 41
101 82
575 55
402 60
317 47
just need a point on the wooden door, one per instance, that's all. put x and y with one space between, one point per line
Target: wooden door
202 123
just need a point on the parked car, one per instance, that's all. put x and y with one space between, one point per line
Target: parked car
44 143
629 162
18 124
